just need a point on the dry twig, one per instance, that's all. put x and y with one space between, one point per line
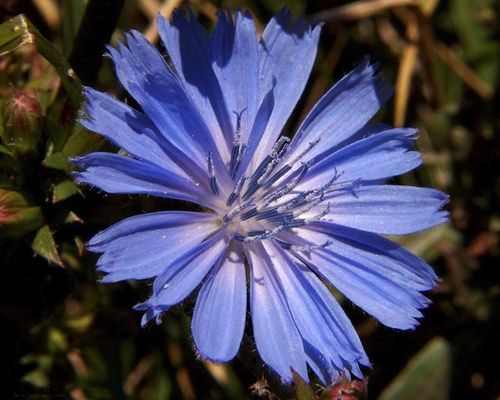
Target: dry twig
358 10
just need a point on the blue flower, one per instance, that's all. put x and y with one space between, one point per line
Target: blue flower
293 214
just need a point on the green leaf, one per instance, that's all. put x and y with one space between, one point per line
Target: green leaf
302 390
56 161
63 190
426 244
17 215
44 245
425 377
19 31
56 340
82 142
72 13
71 218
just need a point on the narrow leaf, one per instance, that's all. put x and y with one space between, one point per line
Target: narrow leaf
425 377
44 245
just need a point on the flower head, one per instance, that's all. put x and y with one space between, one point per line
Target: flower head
293 213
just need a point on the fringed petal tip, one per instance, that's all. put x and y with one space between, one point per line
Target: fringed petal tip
299 27
153 311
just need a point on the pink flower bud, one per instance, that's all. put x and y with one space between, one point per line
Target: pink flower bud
347 389
17 215
21 121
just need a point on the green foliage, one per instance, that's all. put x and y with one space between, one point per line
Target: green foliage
425 377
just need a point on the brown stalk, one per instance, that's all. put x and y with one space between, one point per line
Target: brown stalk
358 10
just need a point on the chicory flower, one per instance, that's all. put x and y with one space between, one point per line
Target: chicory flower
292 214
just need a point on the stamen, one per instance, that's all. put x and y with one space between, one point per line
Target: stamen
263 235
211 174
319 216
236 191
284 245
265 167
243 148
249 214
286 189
239 237
235 151
269 168
235 211
308 248
307 208
283 170
344 186
307 150
281 146
288 167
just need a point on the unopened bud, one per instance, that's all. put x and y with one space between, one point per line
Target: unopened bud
347 389
17 216
21 115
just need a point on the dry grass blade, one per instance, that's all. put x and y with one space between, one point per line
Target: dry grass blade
358 10
138 374
406 65
405 73
165 9
149 7
50 12
469 77
328 66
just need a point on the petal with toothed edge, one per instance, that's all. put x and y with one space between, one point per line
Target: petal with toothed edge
219 314
235 60
342 111
318 317
276 336
188 46
117 174
388 151
143 246
257 133
375 274
126 128
287 52
178 119
177 281
187 271
387 209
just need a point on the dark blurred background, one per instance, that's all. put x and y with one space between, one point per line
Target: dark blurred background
65 336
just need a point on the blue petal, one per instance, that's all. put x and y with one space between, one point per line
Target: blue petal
342 111
143 246
187 271
377 275
276 336
152 310
287 52
378 157
188 46
126 128
387 209
257 134
319 318
219 314
235 55
141 58
151 83
117 174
